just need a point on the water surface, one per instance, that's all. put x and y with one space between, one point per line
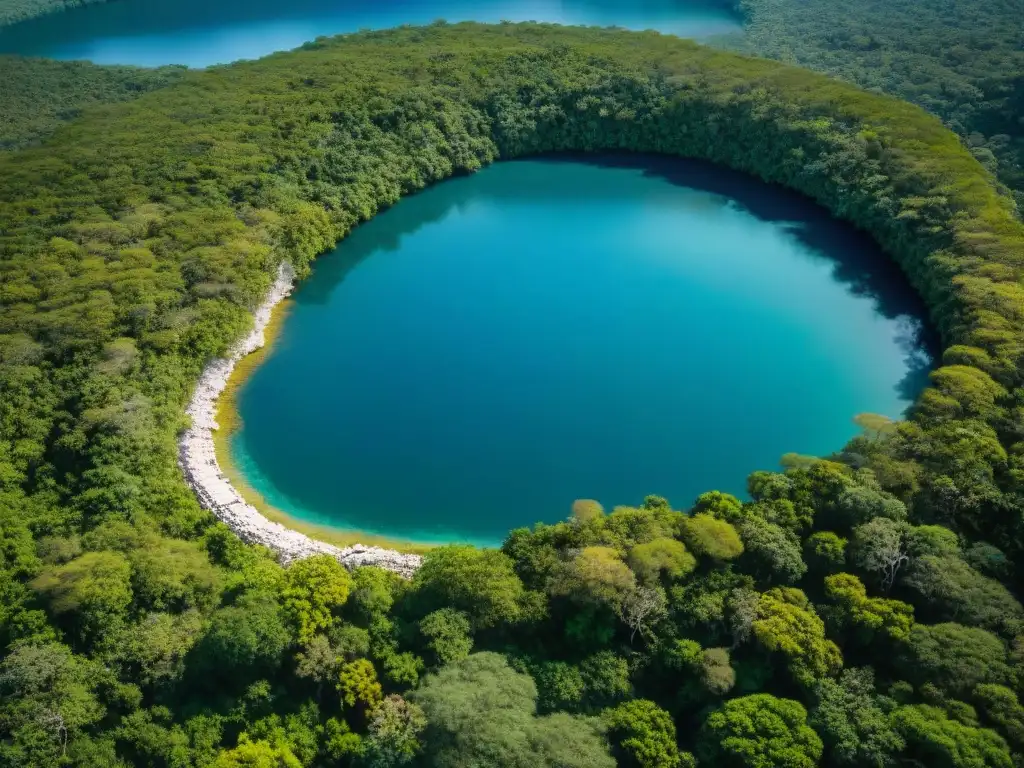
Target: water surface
484 352
200 32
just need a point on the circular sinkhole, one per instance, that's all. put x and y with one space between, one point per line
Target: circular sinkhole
485 352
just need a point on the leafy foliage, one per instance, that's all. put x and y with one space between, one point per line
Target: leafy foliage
854 721
41 95
962 61
481 712
644 733
934 739
759 731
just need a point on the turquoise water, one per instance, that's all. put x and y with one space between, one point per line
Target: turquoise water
483 353
200 32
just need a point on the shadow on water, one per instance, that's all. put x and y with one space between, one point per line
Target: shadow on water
857 262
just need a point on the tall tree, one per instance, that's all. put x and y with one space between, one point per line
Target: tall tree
759 731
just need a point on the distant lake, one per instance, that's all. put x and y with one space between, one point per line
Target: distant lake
485 352
200 33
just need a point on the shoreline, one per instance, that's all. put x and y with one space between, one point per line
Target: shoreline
197 457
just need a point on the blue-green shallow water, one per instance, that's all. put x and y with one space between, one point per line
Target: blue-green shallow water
483 353
204 32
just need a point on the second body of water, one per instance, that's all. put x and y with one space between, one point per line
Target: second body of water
484 352
200 33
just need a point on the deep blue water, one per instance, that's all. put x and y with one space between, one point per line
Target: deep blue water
204 32
484 352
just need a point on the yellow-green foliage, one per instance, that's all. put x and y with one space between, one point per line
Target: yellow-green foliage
357 684
661 556
315 589
710 537
787 624
585 510
597 575
869 615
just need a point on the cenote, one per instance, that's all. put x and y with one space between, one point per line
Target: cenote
485 352
200 33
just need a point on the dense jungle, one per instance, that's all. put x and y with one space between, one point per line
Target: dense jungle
858 609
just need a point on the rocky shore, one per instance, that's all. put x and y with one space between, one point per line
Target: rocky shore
198 460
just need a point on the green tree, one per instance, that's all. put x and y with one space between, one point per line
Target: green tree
153 651
701 605
315 590
401 669
935 740
480 583
825 552
715 539
853 722
48 701
723 506
717 676
350 642
586 510
561 740
954 657
340 743
481 712
596 575
989 560
92 591
394 733
606 680
742 606
759 731
787 624
560 686
641 608
770 553
147 736
867 617
878 548
447 635
244 640
962 391
374 591
932 540
860 504
358 686
643 734
947 588
256 754
174 576
1002 708
318 662
661 557
770 486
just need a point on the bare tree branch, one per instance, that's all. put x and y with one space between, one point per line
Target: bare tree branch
641 607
